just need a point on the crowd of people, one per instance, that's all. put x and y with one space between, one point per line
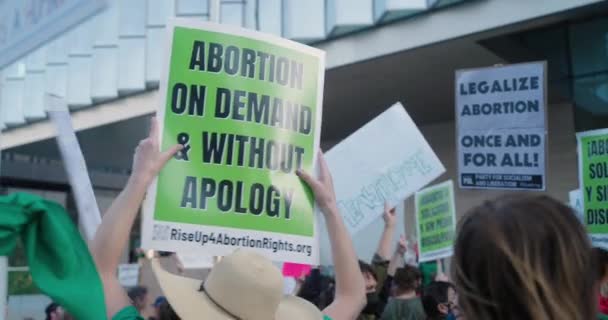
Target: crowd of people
524 257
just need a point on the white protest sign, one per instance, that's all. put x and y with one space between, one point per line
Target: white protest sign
128 274
387 159
75 166
576 202
502 127
194 260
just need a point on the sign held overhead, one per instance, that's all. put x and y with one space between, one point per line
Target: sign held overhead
501 127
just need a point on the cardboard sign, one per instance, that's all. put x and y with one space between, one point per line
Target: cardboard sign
75 166
500 113
128 275
593 175
247 108
436 221
387 159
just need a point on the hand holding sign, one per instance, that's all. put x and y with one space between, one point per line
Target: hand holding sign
148 159
390 216
402 245
323 187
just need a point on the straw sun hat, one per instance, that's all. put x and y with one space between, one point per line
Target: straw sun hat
243 285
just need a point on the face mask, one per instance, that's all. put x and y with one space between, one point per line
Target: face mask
450 316
373 303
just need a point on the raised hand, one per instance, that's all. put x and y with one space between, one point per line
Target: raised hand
148 159
323 187
402 245
390 216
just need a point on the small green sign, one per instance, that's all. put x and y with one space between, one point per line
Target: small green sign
436 221
593 176
247 108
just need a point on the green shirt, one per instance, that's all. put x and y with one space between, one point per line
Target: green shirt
128 313
404 309
601 316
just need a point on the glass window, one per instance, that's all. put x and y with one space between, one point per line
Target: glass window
577 59
588 46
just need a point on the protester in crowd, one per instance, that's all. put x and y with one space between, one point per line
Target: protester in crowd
139 298
375 273
396 262
318 289
113 235
405 304
54 312
523 257
438 300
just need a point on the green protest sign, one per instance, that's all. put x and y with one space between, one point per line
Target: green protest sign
593 177
247 108
436 221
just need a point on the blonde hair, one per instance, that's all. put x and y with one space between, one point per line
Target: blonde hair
526 258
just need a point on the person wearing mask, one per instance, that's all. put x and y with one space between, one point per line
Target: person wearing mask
375 274
438 300
243 285
524 257
405 305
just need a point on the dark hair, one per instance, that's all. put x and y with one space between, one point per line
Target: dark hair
52 307
318 289
523 257
600 256
367 268
434 294
166 312
406 278
137 294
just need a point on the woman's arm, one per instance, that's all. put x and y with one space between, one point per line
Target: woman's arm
390 221
350 289
113 234
397 259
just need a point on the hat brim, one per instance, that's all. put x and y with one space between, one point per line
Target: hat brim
295 308
184 296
